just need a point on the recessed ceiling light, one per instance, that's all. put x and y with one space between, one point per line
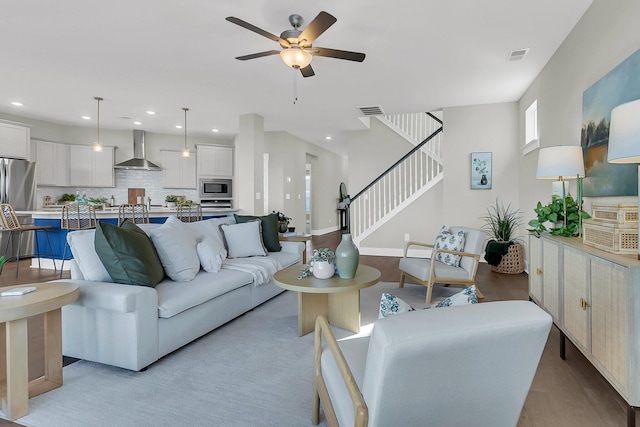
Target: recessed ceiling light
137 123
17 104
215 130
151 112
328 138
179 126
86 118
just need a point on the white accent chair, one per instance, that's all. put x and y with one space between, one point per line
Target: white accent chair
428 272
468 365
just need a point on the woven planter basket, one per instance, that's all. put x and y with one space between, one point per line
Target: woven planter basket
512 262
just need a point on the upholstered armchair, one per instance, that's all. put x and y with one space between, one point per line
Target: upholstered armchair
429 271
468 365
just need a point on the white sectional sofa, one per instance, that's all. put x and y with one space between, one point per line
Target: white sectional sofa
133 326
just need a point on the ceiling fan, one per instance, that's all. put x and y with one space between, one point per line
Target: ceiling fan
297 50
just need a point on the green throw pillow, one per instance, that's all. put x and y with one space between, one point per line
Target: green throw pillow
270 236
128 254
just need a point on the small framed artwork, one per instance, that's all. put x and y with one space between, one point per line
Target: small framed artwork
481 171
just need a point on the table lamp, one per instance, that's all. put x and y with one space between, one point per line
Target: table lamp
560 163
624 136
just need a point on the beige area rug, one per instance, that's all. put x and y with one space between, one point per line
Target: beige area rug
253 371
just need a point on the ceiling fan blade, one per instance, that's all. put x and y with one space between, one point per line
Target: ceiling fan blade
315 28
258 55
307 71
339 54
251 27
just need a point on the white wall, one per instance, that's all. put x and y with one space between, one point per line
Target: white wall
605 36
492 127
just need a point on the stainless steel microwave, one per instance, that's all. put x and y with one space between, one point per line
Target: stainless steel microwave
213 188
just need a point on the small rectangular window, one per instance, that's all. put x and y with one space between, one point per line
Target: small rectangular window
531 128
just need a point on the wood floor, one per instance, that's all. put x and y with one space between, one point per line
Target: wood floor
564 393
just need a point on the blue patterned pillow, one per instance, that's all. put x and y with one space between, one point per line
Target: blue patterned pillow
391 305
453 242
466 296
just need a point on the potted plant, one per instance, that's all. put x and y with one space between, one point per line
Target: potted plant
171 201
321 264
565 217
503 252
283 222
66 198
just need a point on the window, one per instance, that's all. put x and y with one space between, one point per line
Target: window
531 128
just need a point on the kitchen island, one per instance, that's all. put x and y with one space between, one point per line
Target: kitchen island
58 236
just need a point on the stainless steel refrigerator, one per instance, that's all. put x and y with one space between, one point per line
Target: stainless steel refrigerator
18 188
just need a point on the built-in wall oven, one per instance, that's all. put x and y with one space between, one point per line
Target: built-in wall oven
216 191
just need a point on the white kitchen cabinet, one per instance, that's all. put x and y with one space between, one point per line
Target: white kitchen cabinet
215 161
600 306
178 171
52 159
15 141
88 168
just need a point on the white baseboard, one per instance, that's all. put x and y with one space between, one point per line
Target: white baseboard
325 230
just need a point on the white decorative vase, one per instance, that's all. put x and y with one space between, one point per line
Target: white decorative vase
322 269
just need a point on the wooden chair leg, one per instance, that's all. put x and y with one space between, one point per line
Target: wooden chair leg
401 284
429 292
315 416
479 294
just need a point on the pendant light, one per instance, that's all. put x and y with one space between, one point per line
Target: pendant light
185 150
97 145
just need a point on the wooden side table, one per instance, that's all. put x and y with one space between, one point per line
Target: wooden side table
15 387
335 298
297 237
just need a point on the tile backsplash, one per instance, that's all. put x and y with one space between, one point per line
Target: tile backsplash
151 181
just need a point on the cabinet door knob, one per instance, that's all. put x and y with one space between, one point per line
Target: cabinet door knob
538 272
584 304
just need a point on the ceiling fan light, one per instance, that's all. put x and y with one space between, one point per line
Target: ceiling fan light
296 57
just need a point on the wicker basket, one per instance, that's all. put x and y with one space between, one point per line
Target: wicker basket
512 262
625 214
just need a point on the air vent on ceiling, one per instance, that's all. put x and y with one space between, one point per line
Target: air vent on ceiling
517 55
374 110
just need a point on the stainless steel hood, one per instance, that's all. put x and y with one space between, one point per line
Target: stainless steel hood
139 162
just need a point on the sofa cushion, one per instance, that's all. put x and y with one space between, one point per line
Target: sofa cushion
84 253
270 236
210 258
243 240
390 305
176 248
450 241
174 297
208 232
128 254
286 259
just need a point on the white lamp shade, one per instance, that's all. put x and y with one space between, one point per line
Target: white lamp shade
561 162
296 57
624 133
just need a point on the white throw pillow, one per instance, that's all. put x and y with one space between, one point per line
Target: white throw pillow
208 232
85 256
453 242
210 258
243 240
176 248
391 305
467 296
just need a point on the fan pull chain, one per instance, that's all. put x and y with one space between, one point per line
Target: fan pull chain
295 85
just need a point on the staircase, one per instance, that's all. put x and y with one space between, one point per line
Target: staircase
406 180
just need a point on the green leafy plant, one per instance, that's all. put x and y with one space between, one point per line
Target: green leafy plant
171 199
320 254
282 217
501 222
98 200
565 215
67 198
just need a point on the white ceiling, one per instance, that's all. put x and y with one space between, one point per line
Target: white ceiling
151 55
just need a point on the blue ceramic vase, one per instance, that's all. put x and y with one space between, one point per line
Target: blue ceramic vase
347 257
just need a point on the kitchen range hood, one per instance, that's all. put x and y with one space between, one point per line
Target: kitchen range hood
138 162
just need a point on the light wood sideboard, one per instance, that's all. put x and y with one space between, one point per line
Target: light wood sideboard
594 299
